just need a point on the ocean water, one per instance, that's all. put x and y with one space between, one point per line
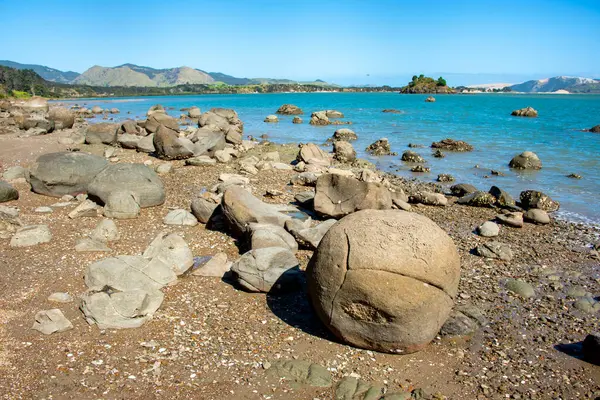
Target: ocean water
483 120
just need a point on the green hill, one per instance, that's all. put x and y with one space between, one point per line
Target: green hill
49 74
425 84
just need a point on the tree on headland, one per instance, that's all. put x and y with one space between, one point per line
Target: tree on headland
441 81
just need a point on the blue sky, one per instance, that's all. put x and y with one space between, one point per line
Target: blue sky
348 42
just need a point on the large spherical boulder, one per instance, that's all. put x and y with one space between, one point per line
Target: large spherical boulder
526 160
57 174
384 280
63 118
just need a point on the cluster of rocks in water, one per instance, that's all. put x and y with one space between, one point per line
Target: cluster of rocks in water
366 234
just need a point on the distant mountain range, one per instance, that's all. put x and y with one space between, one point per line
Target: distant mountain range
563 83
49 74
131 75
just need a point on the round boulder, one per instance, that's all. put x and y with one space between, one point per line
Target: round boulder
57 174
344 134
384 280
526 160
63 118
271 118
137 179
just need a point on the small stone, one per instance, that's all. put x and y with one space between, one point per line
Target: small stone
89 244
488 229
537 216
520 287
513 219
494 250
216 266
50 321
60 297
164 168
31 235
85 209
180 217
43 210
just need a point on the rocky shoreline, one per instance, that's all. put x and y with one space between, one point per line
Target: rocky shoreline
515 332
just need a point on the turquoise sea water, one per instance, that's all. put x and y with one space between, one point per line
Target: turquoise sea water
483 120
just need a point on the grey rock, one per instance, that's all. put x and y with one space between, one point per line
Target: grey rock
7 192
537 216
338 195
268 235
63 118
156 120
129 141
172 251
101 133
124 273
514 219
194 112
216 266
301 372
120 310
138 179
343 151
304 179
345 134
462 189
310 153
85 209
587 305
478 199
105 231
43 210
459 325
88 244
200 160
526 160
60 297
497 250
411 156
271 118
180 217
591 343
289 109
9 221
305 198
350 388
122 204
240 209
488 229
429 198
170 146
16 172
503 199
311 237
520 287
146 144
57 174
269 270
452 145
380 147
203 209
51 321
164 168
31 235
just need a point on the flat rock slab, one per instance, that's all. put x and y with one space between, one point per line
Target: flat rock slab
89 244
31 235
85 209
60 297
180 217
302 372
120 310
216 266
50 321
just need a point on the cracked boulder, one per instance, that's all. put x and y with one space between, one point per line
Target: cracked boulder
120 310
268 270
384 280
338 195
310 237
172 250
138 179
57 174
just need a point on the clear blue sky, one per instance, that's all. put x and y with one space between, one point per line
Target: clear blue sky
350 41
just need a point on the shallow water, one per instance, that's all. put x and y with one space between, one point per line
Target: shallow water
483 120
